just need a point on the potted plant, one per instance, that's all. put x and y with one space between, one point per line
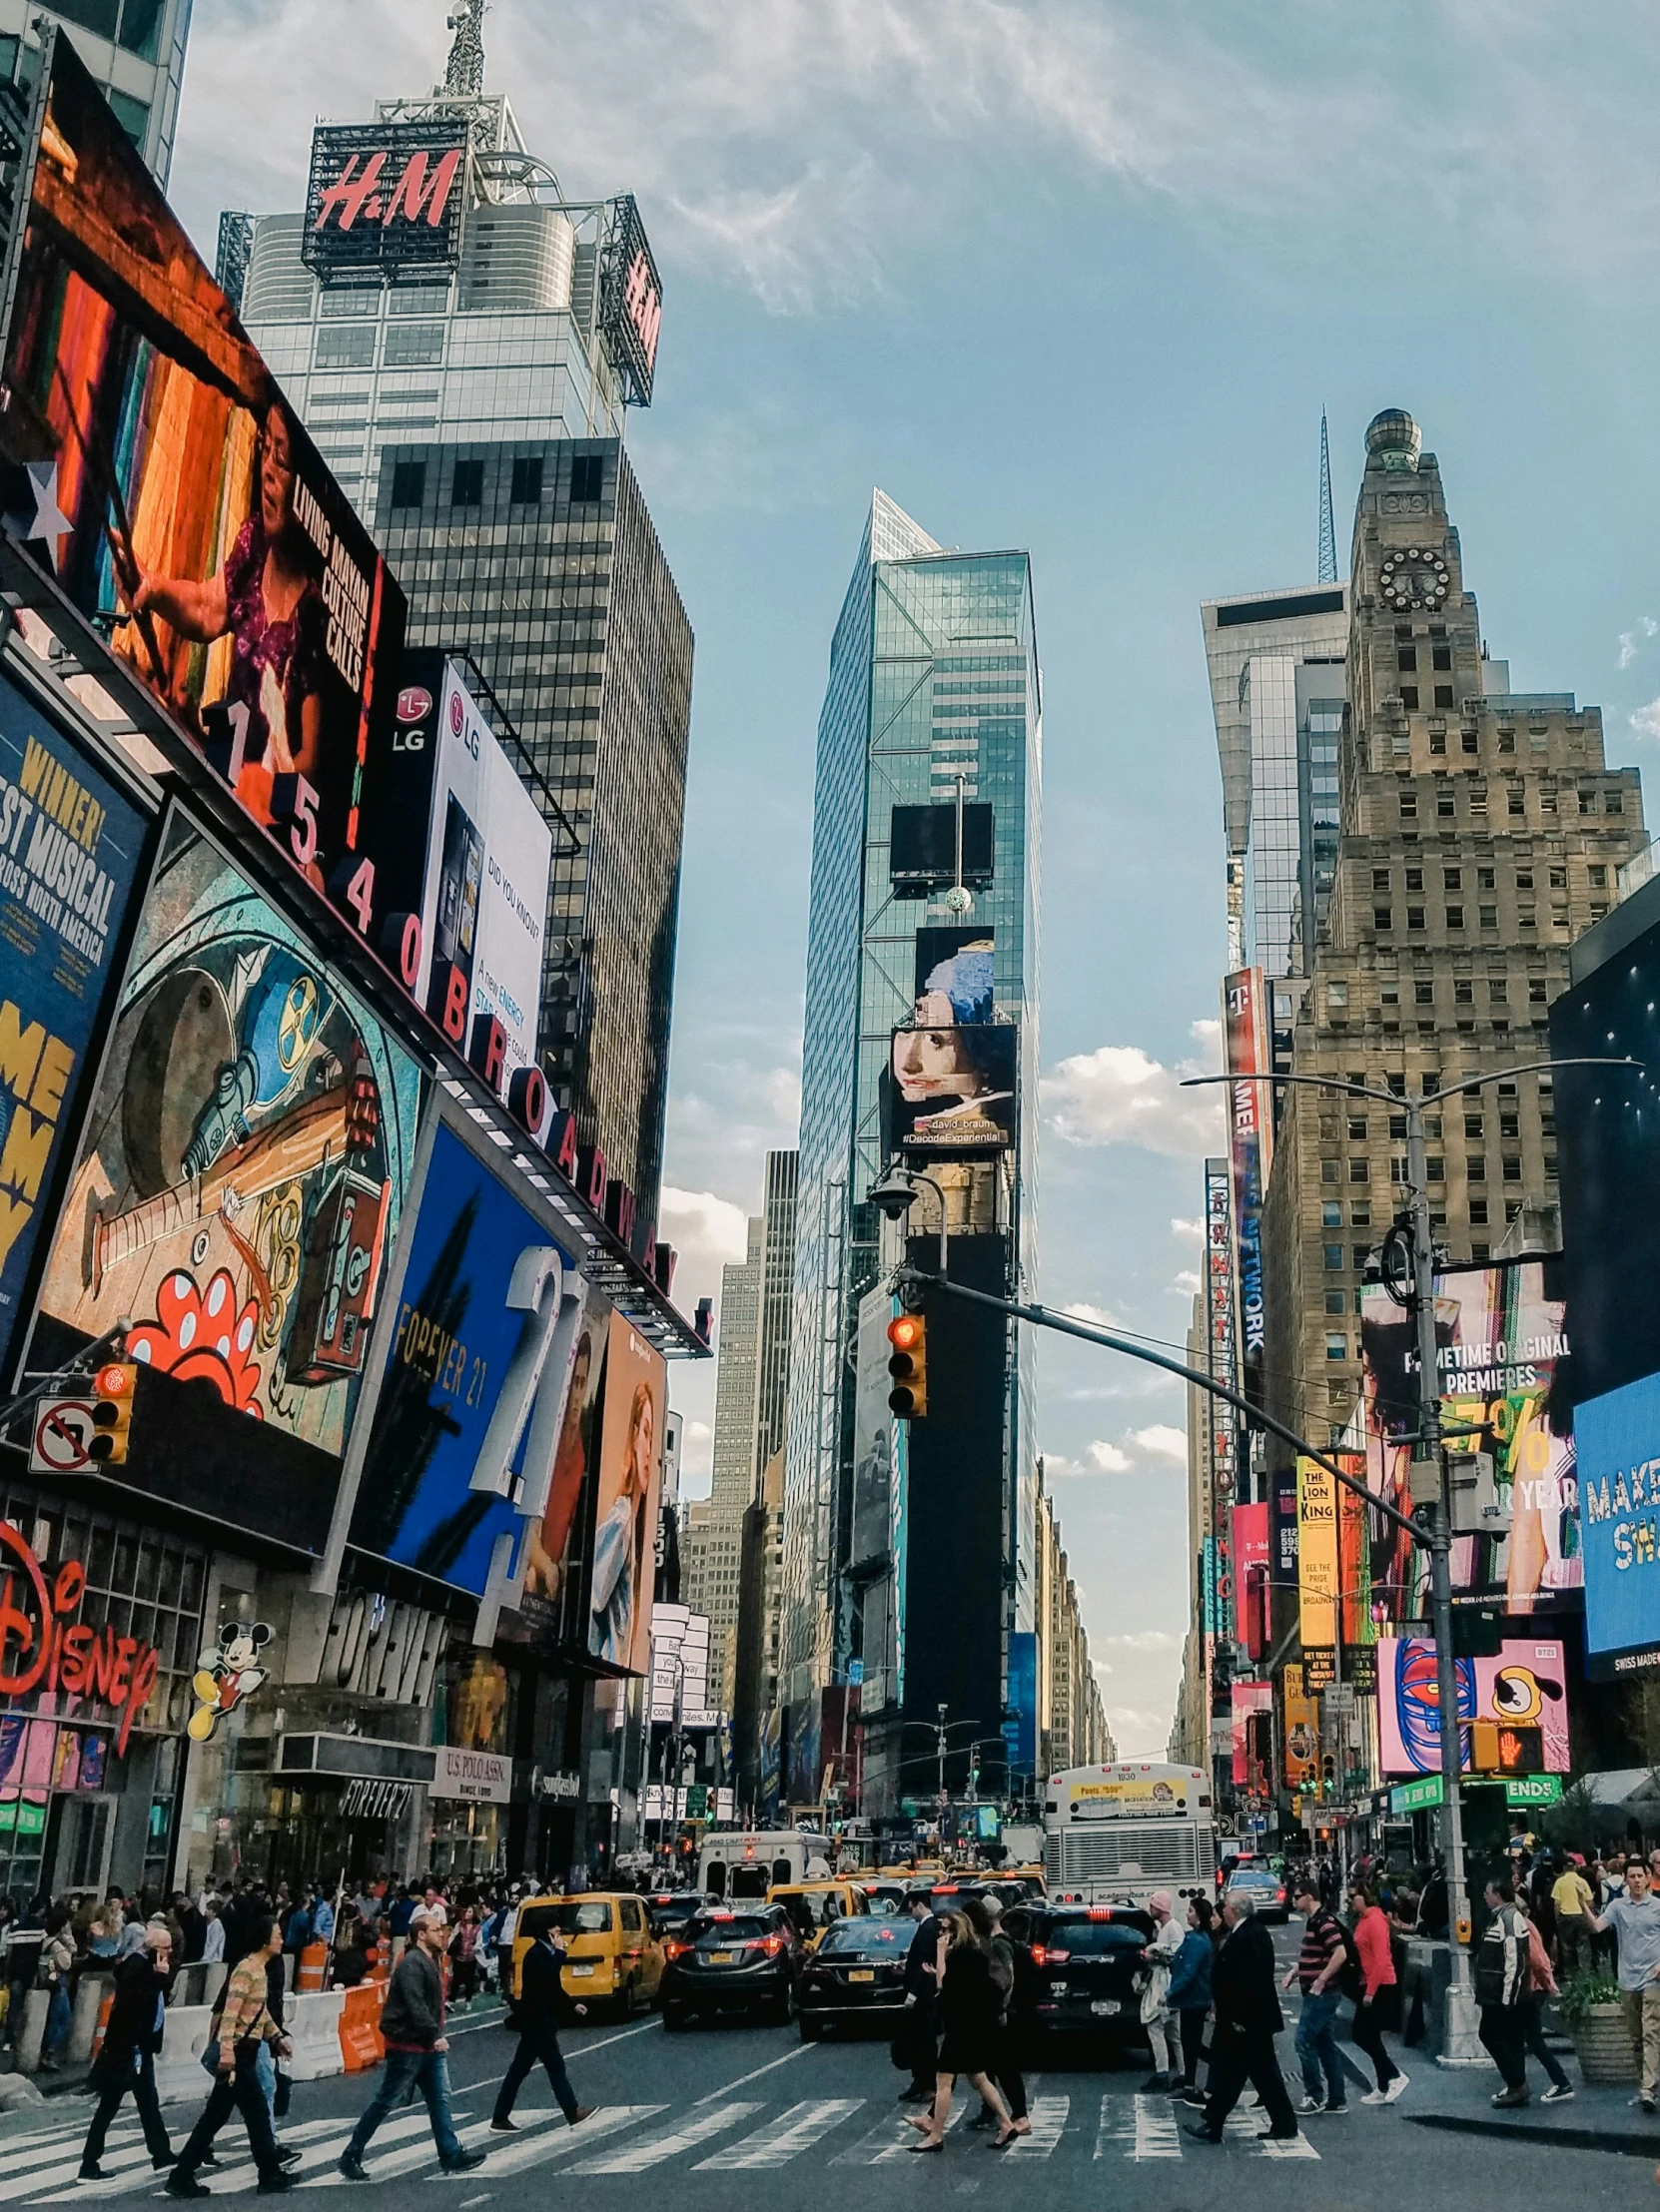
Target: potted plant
1590 2010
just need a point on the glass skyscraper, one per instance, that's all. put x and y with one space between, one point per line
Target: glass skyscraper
134 50
933 678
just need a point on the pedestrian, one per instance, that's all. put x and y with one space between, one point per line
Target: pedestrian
1317 1972
1635 1921
924 1974
213 1933
1501 1987
1541 1985
245 2022
411 2025
1377 1975
1189 1996
970 2005
506 1928
982 1914
1571 1896
127 2058
58 1959
541 2009
1156 2017
463 1957
1248 2020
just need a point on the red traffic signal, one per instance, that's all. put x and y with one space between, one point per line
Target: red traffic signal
908 1334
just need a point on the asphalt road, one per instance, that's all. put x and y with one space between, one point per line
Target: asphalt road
680 2116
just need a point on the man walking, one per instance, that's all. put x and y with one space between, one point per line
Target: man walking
1318 1965
1502 1982
245 2024
542 2009
1248 2020
412 2024
1635 1921
924 1973
127 2059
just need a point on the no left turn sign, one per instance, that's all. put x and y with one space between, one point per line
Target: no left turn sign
63 1437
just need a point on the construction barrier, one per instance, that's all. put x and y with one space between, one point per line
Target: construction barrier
361 2042
106 2007
314 1964
314 2028
179 2074
91 2008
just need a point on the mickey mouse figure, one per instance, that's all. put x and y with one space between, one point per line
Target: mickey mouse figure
226 1674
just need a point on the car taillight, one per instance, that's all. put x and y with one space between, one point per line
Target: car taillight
771 1945
1279 1896
672 1949
1057 1958
1039 1954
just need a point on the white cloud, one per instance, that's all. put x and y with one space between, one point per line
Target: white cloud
1093 1316
1629 647
1119 1095
1186 1283
1646 720
1192 1232
1107 1459
703 1228
1161 1441
697 1453
1142 1639
1138 1733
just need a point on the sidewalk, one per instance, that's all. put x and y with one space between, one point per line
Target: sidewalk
1459 2099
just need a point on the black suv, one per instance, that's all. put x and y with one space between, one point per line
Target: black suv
742 1958
857 1974
1079 1967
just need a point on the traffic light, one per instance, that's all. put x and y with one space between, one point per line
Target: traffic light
112 1412
908 1365
1328 1775
1499 1749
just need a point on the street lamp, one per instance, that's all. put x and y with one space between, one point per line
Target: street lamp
1426 1482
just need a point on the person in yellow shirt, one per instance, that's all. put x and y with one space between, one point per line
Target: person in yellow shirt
1571 1895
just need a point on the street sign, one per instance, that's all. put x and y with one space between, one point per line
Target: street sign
1338 1703
1521 1791
1417 1796
697 1801
62 1439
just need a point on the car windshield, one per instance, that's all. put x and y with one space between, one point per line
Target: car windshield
571 1919
880 1938
666 1911
1094 1938
740 1929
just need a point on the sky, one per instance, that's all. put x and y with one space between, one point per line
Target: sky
1074 276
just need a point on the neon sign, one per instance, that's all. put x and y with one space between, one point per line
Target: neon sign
42 1648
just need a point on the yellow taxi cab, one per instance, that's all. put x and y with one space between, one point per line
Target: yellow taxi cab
815 1906
612 1959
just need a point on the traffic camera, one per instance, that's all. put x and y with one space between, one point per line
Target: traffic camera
908 1365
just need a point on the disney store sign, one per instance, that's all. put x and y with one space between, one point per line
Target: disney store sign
43 1646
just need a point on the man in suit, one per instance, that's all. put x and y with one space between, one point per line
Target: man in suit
1247 2017
542 2009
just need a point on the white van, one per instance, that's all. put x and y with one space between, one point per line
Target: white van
747 1863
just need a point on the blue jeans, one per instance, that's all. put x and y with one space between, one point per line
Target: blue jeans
428 2070
57 2022
267 2070
1316 2047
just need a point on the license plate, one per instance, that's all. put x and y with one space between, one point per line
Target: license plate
862 1973
1057 1988
1105 2005
579 1969
720 1959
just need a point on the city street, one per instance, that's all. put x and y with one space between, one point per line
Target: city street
679 2117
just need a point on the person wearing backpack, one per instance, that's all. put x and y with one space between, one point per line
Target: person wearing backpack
1502 1983
1378 1973
1320 1962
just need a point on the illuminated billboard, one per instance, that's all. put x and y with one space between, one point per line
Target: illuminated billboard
626 1502
184 509
1249 1155
1522 1689
954 1088
385 196
630 302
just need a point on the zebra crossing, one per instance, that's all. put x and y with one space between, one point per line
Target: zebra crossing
722 2135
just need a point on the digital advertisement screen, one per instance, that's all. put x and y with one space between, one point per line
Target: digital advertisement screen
240 1185
1619 1501
1502 1341
955 976
1525 1686
954 1088
922 851
201 532
72 853
625 1512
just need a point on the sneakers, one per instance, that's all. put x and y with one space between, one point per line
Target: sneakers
1313 2105
1279 2135
351 2168
1511 2100
273 2185
187 2185
1646 2104
1397 2087
1557 2093
584 2113
1376 2096
1202 2135
463 2163
503 2128
92 2171
1332 2111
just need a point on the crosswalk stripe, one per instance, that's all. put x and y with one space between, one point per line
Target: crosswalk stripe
38 2145
397 2162
784 2138
133 2161
1157 2132
610 2119
1049 2119
638 2157
1246 2127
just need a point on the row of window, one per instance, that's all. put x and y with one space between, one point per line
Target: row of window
466 481
1453 879
1447 788
1486 917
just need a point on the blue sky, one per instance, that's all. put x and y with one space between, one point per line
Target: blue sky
1076 277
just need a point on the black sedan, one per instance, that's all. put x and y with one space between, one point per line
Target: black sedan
857 1974
670 1909
731 1960
1079 1969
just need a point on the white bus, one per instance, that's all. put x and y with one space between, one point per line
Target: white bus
1114 1835
747 1863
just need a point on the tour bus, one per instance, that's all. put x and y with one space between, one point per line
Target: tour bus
1114 1835
747 1863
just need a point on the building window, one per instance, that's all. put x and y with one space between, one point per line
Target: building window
1410 696
1478 798
1434 1171
526 485
1380 879
1596 876
1337 1347
1414 918
1498 991
413 345
1443 803
344 347
1559 879
1515 800
1408 806
1614 802
1406 658
1359 1170
1334 1258
1332 1214
587 479
1453 879
1478 1212
1588 802
1473 1125
1483 879
1360 1215
1397 1124
1476 1168
1329 1171
408 482
467 487
1414 879
1512 1171
1360 1254
1454 917
1358 1130
1536 990
1337 994
1443 698
1506 741
1424 991
1337 1301
1489 918
1437 741
1381 917
1482 1250
1441 656
1550 1165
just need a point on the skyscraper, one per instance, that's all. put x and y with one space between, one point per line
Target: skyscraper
932 699
134 50
463 344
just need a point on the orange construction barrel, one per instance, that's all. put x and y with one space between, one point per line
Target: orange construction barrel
314 1964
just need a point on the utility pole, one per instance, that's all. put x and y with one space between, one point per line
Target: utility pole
940 1747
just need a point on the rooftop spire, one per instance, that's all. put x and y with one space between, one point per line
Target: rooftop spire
463 74
1329 533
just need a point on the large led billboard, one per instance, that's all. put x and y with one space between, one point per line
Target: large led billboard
954 1088
240 1185
630 301
1249 1156
1501 1344
182 505
72 853
922 847
627 1492
1523 1686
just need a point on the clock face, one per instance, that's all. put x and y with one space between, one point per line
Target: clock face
1416 578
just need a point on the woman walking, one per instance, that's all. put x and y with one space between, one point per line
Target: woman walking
1189 1996
1156 2017
1377 1969
970 2007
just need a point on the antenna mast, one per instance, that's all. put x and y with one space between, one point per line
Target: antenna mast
1328 534
464 75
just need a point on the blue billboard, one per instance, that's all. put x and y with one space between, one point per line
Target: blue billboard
1619 1517
72 849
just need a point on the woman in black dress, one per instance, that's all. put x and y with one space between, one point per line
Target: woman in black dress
970 2006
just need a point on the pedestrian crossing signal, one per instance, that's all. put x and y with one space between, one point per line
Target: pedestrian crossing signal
1499 1749
908 1365
112 1412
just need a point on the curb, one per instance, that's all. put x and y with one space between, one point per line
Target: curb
1522 2131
